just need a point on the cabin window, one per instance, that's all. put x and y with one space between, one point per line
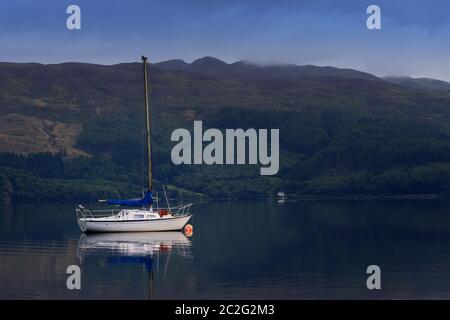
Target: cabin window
139 216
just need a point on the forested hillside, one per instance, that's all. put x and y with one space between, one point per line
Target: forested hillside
75 131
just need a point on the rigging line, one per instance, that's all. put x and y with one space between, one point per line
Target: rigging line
143 158
167 264
157 108
155 103
167 199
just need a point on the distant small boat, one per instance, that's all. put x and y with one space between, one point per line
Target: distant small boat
142 216
281 197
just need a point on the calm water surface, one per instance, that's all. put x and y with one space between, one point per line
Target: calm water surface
249 250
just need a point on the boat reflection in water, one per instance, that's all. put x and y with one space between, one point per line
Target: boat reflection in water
142 248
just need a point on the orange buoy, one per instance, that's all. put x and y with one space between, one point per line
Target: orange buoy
188 230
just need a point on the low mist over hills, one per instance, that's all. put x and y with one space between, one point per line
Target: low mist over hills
342 132
251 71
420 83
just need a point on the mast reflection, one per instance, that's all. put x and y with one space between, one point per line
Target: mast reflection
141 248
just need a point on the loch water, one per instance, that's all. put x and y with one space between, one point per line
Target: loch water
238 250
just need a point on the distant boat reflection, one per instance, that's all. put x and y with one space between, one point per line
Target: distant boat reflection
142 248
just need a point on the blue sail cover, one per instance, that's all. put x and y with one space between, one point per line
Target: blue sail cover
145 201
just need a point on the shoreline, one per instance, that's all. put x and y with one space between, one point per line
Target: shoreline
290 198
370 197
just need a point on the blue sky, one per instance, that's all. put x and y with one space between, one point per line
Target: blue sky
414 40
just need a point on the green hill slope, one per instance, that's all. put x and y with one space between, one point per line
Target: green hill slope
342 132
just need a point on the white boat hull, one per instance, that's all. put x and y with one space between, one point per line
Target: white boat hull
163 224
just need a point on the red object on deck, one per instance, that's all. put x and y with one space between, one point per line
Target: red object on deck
163 212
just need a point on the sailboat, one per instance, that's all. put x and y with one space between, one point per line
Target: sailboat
137 215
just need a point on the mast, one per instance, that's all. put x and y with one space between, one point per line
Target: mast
148 123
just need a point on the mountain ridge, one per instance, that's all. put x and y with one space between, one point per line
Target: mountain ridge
249 70
422 83
246 69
